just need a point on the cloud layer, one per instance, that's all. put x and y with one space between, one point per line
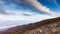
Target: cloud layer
13 20
39 7
34 4
11 16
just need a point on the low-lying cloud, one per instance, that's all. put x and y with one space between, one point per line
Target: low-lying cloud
13 20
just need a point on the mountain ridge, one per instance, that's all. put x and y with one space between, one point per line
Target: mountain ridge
31 26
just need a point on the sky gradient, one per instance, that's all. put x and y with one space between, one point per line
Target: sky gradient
19 12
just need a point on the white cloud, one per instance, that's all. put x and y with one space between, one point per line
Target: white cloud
13 20
15 17
39 7
33 3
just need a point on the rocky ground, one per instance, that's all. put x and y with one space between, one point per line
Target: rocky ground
50 28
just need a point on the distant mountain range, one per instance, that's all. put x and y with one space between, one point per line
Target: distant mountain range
39 27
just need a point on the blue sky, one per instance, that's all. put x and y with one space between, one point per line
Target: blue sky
14 13
54 5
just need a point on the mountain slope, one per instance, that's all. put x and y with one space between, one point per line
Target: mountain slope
42 27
